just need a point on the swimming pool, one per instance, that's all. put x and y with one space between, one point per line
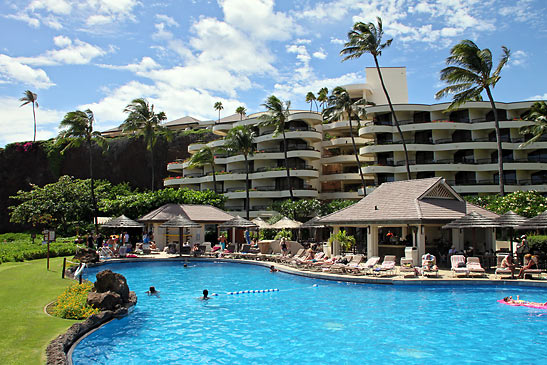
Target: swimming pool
301 324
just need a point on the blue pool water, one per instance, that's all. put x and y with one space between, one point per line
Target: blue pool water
332 322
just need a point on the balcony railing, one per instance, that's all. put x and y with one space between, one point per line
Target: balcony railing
292 129
510 181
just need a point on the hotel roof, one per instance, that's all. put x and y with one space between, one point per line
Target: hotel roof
196 213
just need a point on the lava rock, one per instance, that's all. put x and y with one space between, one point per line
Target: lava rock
87 255
114 282
104 301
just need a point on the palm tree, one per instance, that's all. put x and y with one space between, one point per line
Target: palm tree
538 115
468 75
310 98
340 103
30 97
367 38
78 130
240 139
205 156
323 97
218 106
277 113
144 121
241 111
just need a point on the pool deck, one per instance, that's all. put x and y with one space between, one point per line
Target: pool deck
445 276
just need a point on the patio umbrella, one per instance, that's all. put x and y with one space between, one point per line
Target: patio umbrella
180 222
261 223
122 222
512 221
537 222
237 222
286 223
472 220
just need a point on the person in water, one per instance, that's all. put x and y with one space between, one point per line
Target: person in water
510 300
273 269
205 295
153 291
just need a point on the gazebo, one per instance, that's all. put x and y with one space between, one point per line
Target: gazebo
537 222
511 221
206 216
181 223
237 222
408 212
122 222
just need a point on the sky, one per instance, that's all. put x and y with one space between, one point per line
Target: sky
185 55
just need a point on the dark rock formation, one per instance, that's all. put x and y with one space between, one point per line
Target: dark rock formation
108 281
58 348
126 160
104 301
87 255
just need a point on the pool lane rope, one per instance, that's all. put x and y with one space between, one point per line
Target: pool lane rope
257 291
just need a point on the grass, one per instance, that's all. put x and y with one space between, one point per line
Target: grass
25 329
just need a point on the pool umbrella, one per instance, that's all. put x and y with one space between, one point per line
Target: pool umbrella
237 222
122 222
261 223
472 220
314 225
286 223
180 222
512 221
537 222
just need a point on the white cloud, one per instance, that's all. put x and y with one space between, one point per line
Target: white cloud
337 41
71 52
60 7
167 20
518 58
321 54
17 123
14 71
145 65
538 97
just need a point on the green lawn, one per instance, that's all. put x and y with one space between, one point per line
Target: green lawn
25 330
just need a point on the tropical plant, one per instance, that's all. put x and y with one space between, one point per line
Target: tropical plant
345 240
339 104
218 106
367 38
241 111
240 139
468 75
525 203
30 97
277 114
335 205
310 98
284 233
322 97
205 156
78 130
144 121
300 210
538 115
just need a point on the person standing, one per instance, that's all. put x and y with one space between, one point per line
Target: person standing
248 236
522 249
222 242
283 246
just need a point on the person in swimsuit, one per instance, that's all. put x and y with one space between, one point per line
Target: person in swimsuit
153 291
205 295
530 265
507 262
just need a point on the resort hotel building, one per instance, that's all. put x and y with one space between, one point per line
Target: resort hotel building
459 146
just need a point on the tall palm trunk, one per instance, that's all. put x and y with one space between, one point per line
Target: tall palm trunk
247 200
152 166
407 164
356 155
214 178
93 199
498 142
34 115
287 163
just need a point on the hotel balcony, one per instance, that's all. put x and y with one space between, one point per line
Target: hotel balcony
308 134
302 151
343 195
336 142
265 192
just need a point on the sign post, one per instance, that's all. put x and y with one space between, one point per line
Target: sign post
49 236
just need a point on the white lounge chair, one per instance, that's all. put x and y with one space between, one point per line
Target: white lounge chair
387 267
407 267
429 265
459 266
474 266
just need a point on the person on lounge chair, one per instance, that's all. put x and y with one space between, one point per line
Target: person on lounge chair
507 262
530 265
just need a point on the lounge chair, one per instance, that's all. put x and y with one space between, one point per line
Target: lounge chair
458 265
303 264
341 267
353 266
388 266
474 266
105 253
366 267
287 259
407 268
500 270
429 265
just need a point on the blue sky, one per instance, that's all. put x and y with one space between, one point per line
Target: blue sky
185 55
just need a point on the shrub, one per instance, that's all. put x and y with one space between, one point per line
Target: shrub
525 203
346 241
538 244
72 304
19 247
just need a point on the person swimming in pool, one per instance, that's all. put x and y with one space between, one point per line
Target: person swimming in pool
510 300
153 291
273 269
205 295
